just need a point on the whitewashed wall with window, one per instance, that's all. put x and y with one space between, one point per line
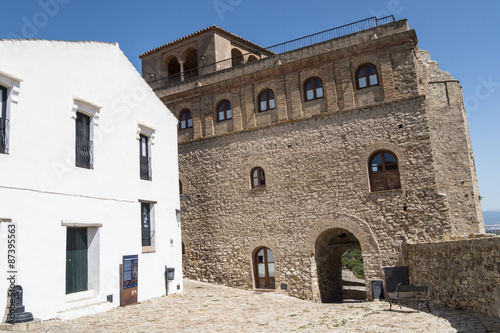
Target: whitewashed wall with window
43 191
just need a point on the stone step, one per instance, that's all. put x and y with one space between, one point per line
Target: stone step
83 307
353 283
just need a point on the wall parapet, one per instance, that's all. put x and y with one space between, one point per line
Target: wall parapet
461 273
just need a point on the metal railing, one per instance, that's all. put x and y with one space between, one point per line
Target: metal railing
145 169
84 153
263 53
4 138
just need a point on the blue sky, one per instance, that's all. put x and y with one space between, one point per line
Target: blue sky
463 36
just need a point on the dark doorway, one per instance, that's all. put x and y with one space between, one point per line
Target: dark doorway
264 269
329 247
76 260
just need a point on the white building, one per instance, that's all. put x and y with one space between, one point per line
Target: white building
88 174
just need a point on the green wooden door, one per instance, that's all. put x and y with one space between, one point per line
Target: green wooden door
76 260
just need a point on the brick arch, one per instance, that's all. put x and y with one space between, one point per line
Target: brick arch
366 238
402 162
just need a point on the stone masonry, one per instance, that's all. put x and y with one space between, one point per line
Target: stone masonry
317 201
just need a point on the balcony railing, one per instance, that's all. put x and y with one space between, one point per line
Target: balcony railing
4 138
291 45
84 153
145 168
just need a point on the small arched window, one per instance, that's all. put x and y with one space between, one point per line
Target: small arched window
258 177
384 171
186 121
224 111
367 76
252 58
313 88
266 100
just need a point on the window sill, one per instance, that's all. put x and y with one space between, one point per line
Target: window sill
148 249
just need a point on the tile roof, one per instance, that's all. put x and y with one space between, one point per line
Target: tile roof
213 27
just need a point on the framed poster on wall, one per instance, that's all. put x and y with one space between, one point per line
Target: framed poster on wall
129 274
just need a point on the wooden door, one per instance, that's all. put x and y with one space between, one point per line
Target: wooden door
264 270
76 260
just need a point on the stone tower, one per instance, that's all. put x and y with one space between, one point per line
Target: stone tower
290 155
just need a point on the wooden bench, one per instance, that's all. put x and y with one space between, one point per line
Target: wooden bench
411 293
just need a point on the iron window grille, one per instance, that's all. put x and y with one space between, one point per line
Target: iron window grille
4 122
144 159
83 144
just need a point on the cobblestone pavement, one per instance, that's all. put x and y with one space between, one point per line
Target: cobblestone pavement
209 308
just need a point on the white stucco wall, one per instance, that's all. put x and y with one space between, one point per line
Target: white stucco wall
40 186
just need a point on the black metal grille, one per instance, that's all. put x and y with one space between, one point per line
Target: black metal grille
145 167
4 139
291 45
83 153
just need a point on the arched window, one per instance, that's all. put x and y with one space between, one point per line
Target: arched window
266 100
185 120
236 56
258 177
264 269
191 64
366 76
224 111
383 171
252 58
173 67
313 88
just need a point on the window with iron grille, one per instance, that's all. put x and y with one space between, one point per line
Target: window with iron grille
4 122
383 171
313 89
144 158
83 143
147 227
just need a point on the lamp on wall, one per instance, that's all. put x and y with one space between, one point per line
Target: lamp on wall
203 59
152 76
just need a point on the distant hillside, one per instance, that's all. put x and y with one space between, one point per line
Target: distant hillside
491 217
492 220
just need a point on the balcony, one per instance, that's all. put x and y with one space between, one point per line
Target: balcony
145 169
4 138
272 51
84 153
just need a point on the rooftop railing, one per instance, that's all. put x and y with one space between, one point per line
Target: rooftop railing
263 53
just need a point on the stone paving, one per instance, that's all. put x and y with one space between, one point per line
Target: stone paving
211 308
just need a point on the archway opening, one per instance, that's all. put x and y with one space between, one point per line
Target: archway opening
173 66
264 269
237 57
329 248
191 65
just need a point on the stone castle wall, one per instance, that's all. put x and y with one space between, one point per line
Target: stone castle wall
461 273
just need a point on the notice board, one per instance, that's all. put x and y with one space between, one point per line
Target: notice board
129 274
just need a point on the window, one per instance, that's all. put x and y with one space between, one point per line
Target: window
147 227
180 186
83 147
144 159
258 177
367 76
252 58
383 171
313 88
224 111
4 122
185 120
264 269
266 100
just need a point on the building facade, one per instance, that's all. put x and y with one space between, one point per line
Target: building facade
88 175
290 155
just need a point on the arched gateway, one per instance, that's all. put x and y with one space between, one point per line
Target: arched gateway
330 239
